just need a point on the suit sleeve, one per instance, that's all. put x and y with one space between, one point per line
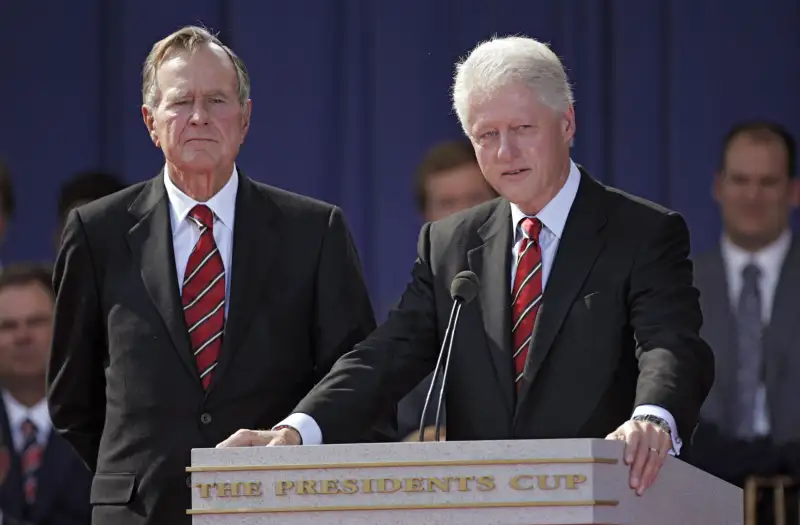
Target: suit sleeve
75 375
384 367
344 314
676 367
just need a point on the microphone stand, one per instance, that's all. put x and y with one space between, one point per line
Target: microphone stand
447 346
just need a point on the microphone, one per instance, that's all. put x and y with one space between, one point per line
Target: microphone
463 290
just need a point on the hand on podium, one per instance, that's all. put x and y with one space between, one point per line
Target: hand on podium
647 445
263 438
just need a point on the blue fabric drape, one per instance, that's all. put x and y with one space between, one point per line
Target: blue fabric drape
348 94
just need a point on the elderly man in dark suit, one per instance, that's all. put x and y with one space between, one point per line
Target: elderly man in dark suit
587 322
195 303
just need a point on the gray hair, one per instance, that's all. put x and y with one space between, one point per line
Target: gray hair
500 61
188 39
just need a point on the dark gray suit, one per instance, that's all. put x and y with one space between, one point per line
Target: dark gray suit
781 345
715 448
618 328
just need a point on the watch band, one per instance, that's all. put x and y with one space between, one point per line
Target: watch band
655 420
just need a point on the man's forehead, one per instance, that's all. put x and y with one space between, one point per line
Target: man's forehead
13 292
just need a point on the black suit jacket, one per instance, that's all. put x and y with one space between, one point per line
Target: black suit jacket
123 384
618 327
63 483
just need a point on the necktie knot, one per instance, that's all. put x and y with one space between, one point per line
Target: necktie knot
29 430
203 216
751 273
532 228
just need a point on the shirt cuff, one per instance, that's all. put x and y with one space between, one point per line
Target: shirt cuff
653 410
305 425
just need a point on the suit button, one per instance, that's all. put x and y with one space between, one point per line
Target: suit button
205 418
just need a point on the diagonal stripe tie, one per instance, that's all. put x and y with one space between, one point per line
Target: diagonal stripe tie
30 462
203 295
527 294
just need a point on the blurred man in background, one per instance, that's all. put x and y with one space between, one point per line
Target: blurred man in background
448 180
750 423
42 479
84 187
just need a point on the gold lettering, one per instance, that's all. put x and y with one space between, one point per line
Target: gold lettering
349 486
281 487
330 486
463 482
485 483
394 485
368 487
224 490
516 482
542 482
252 489
237 489
442 484
571 480
205 489
307 486
413 485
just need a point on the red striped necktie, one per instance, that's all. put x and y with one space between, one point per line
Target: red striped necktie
526 293
203 295
31 458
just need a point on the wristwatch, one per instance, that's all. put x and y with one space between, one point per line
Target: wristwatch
655 420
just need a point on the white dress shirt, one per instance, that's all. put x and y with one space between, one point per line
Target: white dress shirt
770 261
553 217
185 233
17 414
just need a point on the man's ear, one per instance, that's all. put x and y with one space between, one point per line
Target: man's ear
149 122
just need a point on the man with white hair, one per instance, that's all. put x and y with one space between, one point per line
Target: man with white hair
586 324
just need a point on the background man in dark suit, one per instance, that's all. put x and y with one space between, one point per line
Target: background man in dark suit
42 479
611 349
750 423
182 301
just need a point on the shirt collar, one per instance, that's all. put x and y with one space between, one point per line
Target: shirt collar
223 204
554 214
768 259
17 413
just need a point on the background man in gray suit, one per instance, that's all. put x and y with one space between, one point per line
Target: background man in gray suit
749 283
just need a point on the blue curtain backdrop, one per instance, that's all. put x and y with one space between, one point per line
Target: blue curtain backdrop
348 94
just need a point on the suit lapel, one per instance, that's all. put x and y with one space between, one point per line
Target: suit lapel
51 474
150 241
256 242
783 327
719 328
577 251
491 262
10 473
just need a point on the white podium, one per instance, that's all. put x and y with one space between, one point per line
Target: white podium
544 482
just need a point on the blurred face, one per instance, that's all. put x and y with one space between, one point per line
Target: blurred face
198 122
25 316
521 144
454 190
755 193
